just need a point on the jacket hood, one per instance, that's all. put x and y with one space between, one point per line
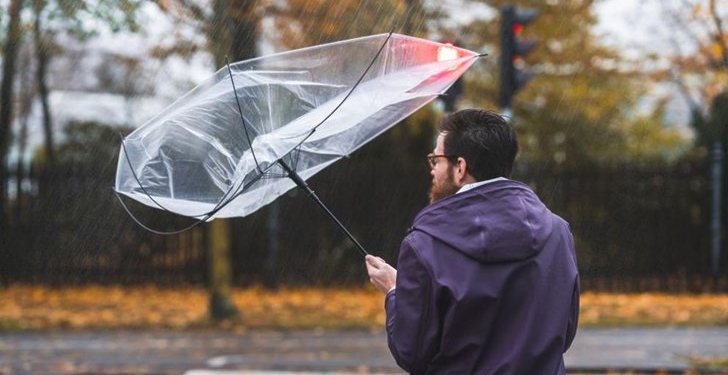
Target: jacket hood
502 221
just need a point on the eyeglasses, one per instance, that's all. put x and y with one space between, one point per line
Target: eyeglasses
432 159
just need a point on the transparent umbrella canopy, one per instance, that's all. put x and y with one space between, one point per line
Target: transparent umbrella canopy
258 128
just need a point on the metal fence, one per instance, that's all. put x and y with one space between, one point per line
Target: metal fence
637 228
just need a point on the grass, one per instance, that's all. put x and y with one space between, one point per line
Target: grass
32 308
708 363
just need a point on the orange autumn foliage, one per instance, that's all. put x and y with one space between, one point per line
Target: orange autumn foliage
148 307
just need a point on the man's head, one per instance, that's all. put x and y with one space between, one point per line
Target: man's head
473 145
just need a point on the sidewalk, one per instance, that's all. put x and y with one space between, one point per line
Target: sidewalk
595 351
646 349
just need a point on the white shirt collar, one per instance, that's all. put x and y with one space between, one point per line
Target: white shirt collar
479 183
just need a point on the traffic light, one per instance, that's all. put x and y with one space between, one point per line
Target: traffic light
513 75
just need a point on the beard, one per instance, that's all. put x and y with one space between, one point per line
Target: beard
443 189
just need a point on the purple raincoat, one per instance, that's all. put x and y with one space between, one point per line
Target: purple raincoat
487 283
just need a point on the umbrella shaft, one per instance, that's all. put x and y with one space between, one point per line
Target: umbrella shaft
303 185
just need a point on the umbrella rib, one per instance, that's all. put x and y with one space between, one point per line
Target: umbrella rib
155 231
356 84
203 218
131 169
293 175
242 118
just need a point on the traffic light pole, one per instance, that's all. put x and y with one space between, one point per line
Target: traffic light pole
716 222
507 69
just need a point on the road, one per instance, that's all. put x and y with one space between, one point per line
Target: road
614 351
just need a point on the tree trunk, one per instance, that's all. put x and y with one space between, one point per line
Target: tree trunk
244 24
414 18
218 231
218 33
6 99
25 106
218 250
41 48
233 34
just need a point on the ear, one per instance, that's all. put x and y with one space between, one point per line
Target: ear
462 176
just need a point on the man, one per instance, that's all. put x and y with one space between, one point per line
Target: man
487 280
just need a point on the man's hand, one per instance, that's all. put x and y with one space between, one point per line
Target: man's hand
381 274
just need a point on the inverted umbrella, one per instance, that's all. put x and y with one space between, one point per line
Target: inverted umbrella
257 128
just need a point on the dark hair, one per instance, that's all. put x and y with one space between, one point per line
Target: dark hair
484 139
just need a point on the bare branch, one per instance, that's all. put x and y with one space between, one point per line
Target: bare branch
719 35
682 25
183 8
682 87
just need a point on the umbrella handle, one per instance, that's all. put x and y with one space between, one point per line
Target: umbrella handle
293 175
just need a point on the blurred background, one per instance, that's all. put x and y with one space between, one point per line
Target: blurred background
621 108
